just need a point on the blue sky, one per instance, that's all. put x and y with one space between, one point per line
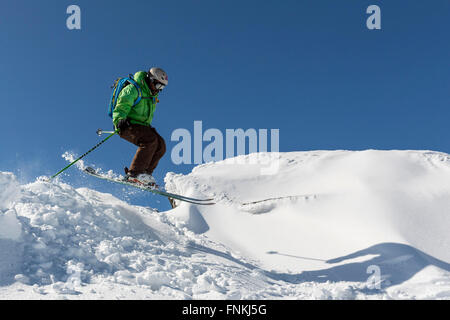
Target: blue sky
309 68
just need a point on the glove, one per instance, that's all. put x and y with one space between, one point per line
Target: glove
122 124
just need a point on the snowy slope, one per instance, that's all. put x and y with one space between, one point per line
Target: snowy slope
338 213
312 225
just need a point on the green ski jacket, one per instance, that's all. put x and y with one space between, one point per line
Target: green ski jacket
142 113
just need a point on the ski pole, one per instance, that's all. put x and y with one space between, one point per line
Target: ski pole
92 149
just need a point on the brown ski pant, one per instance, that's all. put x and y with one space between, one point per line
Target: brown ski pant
151 148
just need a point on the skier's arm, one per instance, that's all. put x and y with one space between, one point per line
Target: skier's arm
125 101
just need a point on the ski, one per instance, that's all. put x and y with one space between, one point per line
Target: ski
91 171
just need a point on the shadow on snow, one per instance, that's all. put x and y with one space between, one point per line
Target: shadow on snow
395 262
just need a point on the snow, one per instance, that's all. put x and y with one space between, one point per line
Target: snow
317 225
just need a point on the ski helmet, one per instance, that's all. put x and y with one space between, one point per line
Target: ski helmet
159 75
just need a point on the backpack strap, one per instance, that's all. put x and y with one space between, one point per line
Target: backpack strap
131 80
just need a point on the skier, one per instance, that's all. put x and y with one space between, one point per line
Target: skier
134 124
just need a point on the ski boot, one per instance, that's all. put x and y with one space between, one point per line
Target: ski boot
143 179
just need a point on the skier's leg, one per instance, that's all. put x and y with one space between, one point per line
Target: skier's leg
147 142
159 153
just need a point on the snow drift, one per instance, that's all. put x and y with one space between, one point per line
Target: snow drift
317 225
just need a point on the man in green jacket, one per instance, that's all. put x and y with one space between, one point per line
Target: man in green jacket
134 124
